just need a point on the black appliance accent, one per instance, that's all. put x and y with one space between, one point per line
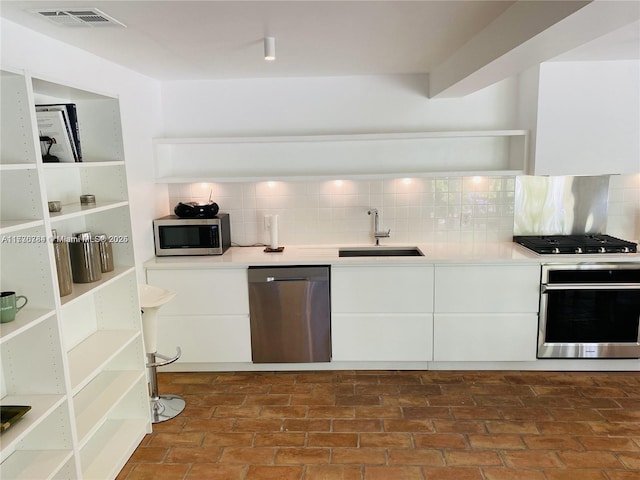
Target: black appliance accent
575 244
196 210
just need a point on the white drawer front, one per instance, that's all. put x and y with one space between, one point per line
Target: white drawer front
206 338
487 289
370 338
495 337
202 292
379 289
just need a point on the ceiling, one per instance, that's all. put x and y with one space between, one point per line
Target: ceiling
180 40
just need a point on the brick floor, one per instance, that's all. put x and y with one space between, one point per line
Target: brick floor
368 425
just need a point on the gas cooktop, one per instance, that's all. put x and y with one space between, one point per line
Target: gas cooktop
575 244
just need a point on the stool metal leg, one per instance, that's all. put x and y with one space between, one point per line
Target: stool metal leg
163 407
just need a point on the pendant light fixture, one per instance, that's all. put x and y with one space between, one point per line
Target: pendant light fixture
269 48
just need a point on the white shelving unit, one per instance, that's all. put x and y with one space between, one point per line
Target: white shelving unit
77 360
348 156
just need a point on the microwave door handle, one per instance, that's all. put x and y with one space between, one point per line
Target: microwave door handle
287 279
545 287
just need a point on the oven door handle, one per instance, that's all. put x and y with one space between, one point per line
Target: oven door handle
545 287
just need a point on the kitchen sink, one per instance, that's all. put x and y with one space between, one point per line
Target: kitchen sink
380 252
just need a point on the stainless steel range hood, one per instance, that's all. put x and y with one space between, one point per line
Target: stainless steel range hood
560 205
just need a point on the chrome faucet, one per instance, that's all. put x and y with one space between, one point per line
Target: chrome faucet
377 234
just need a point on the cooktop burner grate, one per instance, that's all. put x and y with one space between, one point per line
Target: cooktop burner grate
575 244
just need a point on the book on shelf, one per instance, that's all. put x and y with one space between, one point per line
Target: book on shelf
71 116
52 126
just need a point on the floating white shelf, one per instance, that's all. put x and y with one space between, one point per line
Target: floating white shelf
348 156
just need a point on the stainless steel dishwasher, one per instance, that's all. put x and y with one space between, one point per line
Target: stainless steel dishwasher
290 314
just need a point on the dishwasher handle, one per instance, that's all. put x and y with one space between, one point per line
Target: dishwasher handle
288 279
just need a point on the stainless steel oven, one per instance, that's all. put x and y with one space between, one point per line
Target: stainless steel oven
590 311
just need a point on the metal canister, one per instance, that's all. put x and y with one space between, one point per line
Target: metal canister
106 252
63 264
85 259
88 200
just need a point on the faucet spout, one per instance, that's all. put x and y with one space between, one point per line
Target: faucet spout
377 234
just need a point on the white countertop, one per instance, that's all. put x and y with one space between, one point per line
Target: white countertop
434 253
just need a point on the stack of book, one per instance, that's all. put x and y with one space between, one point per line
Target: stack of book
59 132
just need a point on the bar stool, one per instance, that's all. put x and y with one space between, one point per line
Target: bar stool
163 407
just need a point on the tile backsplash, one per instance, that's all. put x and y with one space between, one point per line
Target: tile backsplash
624 207
439 209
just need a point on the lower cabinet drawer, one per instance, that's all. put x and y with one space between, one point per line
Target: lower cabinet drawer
485 337
206 338
381 337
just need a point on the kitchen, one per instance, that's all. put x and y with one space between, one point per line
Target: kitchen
351 105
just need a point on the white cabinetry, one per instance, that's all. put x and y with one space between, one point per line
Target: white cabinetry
588 118
209 316
381 313
76 360
486 312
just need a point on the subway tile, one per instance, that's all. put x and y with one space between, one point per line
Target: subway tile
388 472
357 425
159 471
333 439
453 473
440 440
193 455
306 425
386 440
213 471
274 472
551 442
303 456
531 459
589 459
501 442
513 474
287 439
332 472
477 458
608 443
359 456
251 455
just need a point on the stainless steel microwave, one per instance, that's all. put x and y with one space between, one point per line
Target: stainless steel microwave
192 236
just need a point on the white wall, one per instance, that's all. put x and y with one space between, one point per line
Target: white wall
326 105
140 108
588 118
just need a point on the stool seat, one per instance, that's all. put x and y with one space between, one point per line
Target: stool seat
163 407
151 299
151 296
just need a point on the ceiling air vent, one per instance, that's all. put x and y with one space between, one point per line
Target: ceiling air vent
79 17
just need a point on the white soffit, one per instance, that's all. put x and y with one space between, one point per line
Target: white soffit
483 61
